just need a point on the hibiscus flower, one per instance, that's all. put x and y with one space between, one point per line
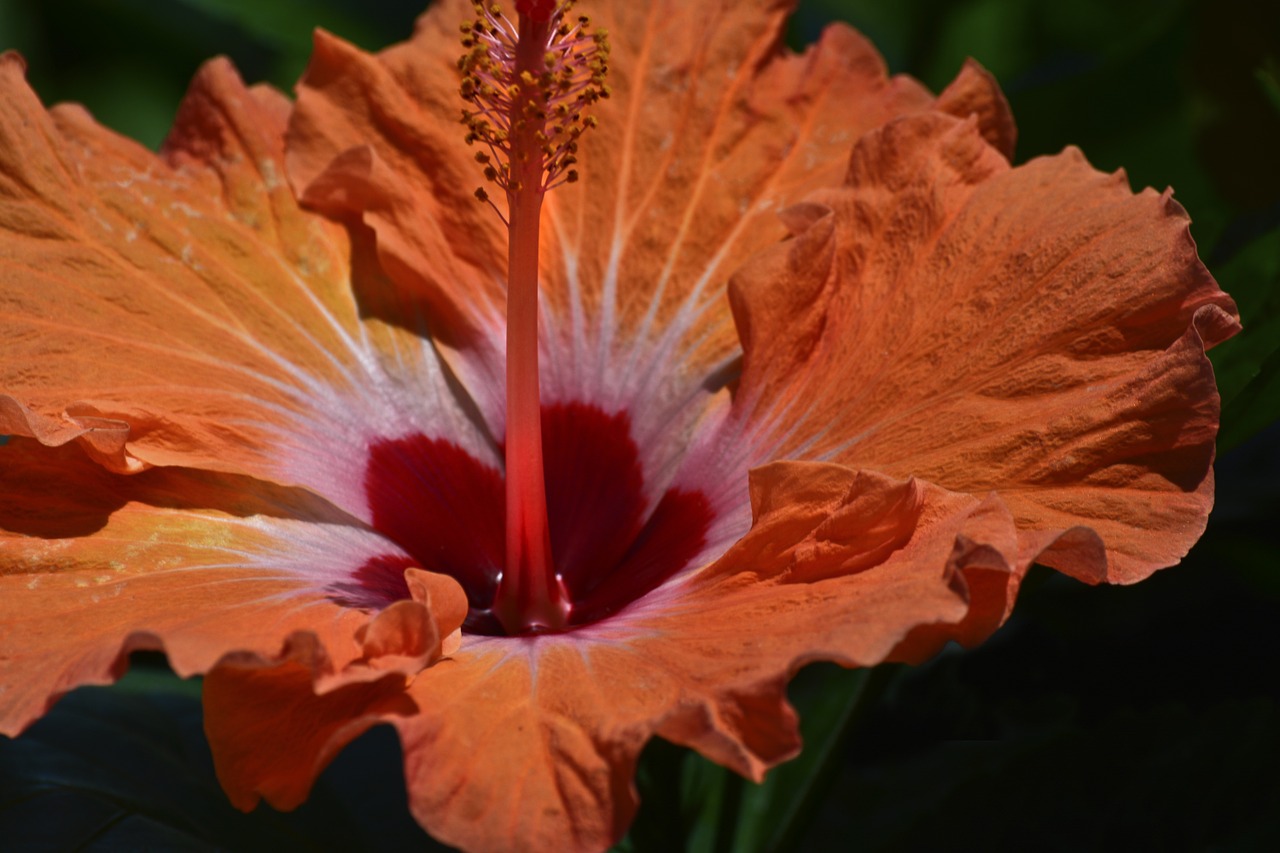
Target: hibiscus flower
821 376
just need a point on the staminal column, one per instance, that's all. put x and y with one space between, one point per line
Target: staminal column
530 593
530 81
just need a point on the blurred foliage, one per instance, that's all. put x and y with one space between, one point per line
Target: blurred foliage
1119 718
128 768
129 60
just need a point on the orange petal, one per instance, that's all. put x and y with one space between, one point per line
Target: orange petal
415 632
531 743
976 93
245 696
376 139
94 565
181 309
102 438
710 130
1037 331
909 553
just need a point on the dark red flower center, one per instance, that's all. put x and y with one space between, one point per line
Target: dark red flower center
447 509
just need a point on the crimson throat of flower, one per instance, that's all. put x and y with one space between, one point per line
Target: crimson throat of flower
528 83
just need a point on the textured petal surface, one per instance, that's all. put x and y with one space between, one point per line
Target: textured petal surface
840 566
94 565
182 310
1037 331
1028 342
246 697
247 694
532 743
712 128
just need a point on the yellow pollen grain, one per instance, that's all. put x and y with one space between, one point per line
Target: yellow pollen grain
517 103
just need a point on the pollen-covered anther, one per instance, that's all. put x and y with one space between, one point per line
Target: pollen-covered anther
511 107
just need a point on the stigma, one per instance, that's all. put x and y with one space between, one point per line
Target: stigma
528 84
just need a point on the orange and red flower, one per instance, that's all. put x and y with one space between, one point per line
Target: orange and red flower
822 375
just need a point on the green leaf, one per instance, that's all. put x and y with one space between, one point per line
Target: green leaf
286 26
127 768
774 814
120 769
1248 366
690 803
1256 407
1269 79
685 801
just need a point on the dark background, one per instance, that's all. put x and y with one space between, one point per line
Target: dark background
1098 718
